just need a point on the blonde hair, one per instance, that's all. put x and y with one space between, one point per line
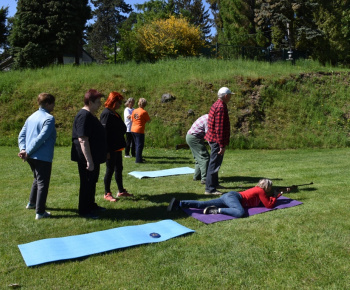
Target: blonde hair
142 102
265 184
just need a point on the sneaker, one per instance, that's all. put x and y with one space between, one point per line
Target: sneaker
174 204
203 181
108 196
90 215
127 156
39 216
220 187
213 193
211 210
30 206
124 193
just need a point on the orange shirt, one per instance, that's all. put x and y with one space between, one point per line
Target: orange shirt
139 118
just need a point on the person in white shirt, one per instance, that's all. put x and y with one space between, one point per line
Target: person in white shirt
130 143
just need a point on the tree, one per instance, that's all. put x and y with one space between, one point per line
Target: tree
193 10
103 34
3 27
333 19
274 15
163 38
238 26
43 30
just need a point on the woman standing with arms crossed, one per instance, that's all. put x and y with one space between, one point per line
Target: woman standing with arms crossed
139 118
115 130
127 119
36 143
89 151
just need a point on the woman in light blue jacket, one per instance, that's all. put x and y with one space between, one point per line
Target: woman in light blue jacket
36 143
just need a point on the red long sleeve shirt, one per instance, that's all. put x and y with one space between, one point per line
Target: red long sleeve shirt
253 196
218 124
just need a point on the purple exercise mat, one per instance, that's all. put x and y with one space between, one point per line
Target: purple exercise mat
282 202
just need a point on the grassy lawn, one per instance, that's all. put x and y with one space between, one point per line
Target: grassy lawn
306 247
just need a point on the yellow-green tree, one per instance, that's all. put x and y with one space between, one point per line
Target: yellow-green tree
170 37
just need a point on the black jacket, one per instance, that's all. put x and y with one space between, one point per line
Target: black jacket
115 129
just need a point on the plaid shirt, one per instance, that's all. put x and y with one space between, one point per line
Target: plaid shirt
218 124
199 127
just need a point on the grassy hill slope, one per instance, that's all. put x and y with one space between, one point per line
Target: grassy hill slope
276 106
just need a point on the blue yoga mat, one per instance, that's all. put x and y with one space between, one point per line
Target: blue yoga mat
56 249
162 173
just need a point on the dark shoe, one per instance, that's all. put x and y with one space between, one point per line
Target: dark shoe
174 204
99 208
90 215
211 210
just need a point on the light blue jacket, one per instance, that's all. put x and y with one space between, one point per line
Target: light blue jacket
38 136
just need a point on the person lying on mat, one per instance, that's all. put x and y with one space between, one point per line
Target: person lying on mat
234 203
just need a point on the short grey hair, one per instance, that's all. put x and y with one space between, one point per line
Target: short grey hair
264 183
129 101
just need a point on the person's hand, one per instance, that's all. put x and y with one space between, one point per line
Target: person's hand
221 151
90 166
23 155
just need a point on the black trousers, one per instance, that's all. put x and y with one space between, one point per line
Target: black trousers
87 191
130 143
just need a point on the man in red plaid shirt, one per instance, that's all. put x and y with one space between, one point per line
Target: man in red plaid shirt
218 136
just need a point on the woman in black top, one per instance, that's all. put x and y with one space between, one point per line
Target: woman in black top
89 151
115 131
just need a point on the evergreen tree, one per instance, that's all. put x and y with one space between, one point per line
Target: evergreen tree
43 30
193 10
274 16
3 27
196 14
105 32
333 19
238 26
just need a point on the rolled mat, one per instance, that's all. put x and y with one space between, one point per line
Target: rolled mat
282 202
162 173
56 249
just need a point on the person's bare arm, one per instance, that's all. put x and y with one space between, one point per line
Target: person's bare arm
85 147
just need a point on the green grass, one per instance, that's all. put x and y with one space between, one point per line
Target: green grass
304 247
276 106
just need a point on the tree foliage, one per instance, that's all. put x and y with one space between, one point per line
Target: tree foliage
333 18
238 27
193 10
44 30
105 31
3 27
163 38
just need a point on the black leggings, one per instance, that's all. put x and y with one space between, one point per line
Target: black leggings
114 165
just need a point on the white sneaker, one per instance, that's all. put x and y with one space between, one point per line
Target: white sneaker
46 214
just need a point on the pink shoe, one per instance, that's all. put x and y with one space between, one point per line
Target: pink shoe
108 196
124 193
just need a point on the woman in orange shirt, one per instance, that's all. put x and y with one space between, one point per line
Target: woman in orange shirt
139 119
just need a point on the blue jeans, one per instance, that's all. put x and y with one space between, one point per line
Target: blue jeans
215 162
139 144
229 204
